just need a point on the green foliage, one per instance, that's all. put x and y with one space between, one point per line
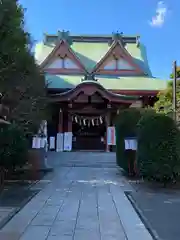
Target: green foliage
158 153
13 147
177 73
21 83
125 127
165 98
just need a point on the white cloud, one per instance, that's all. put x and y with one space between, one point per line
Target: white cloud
161 12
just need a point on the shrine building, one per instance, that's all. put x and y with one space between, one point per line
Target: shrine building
89 78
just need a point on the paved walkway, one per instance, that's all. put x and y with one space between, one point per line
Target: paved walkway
80 203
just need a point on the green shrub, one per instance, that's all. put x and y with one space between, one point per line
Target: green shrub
13 147
125 126
158 153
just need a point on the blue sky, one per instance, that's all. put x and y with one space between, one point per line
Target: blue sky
157 22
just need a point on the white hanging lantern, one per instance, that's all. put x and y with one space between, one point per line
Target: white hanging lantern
76 120
84 121
93 122
101 120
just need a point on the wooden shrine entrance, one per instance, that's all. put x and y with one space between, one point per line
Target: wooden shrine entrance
86 112
89 132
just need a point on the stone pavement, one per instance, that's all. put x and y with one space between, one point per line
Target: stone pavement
80 203
160 209
16 194
6 212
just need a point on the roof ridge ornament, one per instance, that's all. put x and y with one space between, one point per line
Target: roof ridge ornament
138 40
45 38
89 77
64 36
117 37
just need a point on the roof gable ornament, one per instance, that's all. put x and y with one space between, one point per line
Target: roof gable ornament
138 41
117 37
88 77
64 36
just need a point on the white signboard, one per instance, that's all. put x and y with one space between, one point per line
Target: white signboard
52 143
137 104
130 144
111 136
67 141
36 142
43 141
59 142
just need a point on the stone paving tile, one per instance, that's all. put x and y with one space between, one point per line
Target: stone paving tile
23 219
5 212
9 236
110 225
63 228
64 237
81 203
132 225
88 235
46 216
36 232
65 221
87 220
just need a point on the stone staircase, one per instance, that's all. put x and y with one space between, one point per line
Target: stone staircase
82 159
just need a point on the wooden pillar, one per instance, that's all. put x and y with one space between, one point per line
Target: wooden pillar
69 128
60 135
108 122
60 123
69 123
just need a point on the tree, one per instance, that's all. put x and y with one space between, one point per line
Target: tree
177 73
21 83
165 98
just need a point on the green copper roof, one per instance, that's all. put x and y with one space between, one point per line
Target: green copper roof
42 51
140 56
63 81
90 53
115 83
132 83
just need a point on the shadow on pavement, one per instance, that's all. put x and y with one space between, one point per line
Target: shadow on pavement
159 208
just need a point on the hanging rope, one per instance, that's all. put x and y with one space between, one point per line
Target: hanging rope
88 120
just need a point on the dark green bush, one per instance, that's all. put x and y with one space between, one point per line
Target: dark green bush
125 127
158 153
13 147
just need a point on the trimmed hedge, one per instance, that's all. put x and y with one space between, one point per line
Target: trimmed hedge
158 153
125 127
13 147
